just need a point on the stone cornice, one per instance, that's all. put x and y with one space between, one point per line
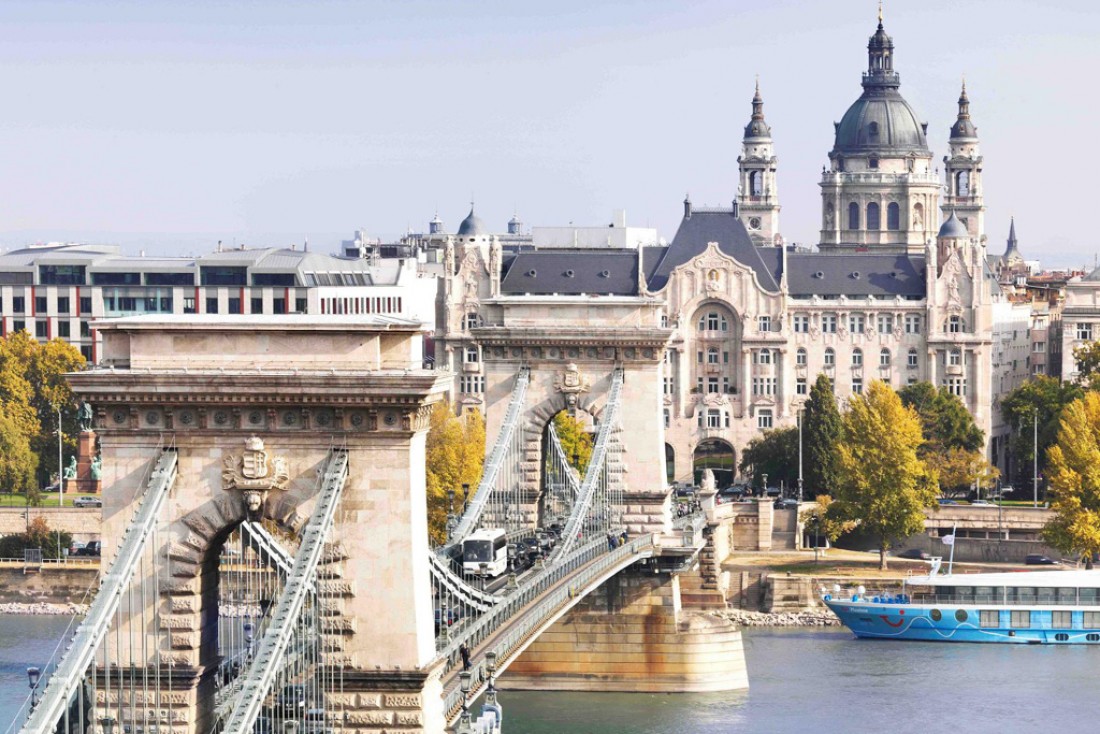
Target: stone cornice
513 336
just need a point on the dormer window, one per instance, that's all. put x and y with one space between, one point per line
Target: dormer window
872 136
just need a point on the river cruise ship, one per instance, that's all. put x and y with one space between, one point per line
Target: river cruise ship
1030 607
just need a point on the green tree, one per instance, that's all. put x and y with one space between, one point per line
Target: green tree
454 455
18 463
774 453
945 421
821 432
882 484
575 441
1087 357
1043 399
1074 475
38 535
824 519
958 469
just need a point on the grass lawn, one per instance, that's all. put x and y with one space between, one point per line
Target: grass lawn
49 499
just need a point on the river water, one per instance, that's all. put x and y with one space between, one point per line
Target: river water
802 680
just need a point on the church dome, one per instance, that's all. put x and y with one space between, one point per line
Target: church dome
881 121
472 226
953 228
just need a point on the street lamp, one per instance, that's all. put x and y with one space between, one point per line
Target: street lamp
464 685
800 454
33 675
1035 458
465 497
107 724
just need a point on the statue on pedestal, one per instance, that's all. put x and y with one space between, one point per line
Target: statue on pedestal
97 468
84 416
70 470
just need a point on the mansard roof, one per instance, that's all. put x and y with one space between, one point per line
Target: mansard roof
700 227
855 276
571 272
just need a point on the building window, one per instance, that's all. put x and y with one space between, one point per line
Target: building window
713 321
85 329
234 305
954 358
19 325
884 358
872 216
279 305
714 418
62 304
1084 330
472 384
712 355
800 357
670 386
872 133
41 305
668 417
828 323
211 305
19 304
188 304
256 305
912 323
301 305
86 352
763 323
957 386
885 323
853 216
472 355
801 323
857 357
764 419
42 328
855 323
800 387
472 320
64 328
857 385
763 356
954 324
912 359
712 385
1039 347
763 386
893 216
830 357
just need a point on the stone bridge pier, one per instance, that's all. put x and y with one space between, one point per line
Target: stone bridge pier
209 387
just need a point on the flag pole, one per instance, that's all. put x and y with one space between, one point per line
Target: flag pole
951 555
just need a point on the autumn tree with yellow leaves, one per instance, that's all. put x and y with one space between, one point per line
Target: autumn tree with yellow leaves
882 485
455 453
1073 470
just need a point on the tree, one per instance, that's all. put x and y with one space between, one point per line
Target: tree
18 463
958 469
774 453
1042 398
825 519
881 482
945 421
821 432
1087 357
1073 463
575 441
454 455
38 535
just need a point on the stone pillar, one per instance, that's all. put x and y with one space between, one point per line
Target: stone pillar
631 634
746 382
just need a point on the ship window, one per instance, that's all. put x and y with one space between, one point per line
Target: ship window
1061 620
1021 618
1089 620
1093 637
990 618
1061 637
1087 597
937 615
1022 595
1067 596
984 595
960 615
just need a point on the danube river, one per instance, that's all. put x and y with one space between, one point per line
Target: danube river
803 680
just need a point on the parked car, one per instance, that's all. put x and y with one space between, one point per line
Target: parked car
980 503
87 502
686 490
786 503
74 549
945 501
1037 559
92 548
915 554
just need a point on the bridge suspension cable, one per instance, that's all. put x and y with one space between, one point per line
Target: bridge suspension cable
500 478
68 701
287 618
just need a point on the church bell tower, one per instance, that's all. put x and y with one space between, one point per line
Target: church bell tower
757 195
963 167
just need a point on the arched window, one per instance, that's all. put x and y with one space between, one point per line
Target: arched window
471 355
872 216
893 216
954 324
872 133
955 358
884 358
830 357
712 355
912 363
800 357
764 356
857 357
853 216
962 183
756 183
472 320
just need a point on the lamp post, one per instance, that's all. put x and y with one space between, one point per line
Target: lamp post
800 454
451 520
33 675
107 725
764 493
464 685
1035 458
465 497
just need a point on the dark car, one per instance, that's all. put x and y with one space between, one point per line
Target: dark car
1036 559
945 501
786 504
915 554
92 548
291 699
686 490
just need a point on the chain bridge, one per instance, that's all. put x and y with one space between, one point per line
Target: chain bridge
266 523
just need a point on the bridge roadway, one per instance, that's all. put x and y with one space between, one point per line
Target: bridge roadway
527 612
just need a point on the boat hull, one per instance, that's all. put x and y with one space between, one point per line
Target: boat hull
958 623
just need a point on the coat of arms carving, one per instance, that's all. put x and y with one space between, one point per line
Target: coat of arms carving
255 472
571 382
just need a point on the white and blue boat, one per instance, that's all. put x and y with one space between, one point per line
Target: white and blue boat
1029 607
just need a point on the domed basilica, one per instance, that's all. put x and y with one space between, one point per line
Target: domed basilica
899 289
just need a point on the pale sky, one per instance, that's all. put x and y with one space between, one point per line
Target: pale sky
167 126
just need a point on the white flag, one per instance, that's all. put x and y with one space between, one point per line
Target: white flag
948 539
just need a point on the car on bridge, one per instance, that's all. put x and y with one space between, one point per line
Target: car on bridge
91 548
87 502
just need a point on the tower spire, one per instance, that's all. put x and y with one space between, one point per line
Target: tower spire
880 14
757 127
964 127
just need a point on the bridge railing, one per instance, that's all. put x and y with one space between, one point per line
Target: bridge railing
585 565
